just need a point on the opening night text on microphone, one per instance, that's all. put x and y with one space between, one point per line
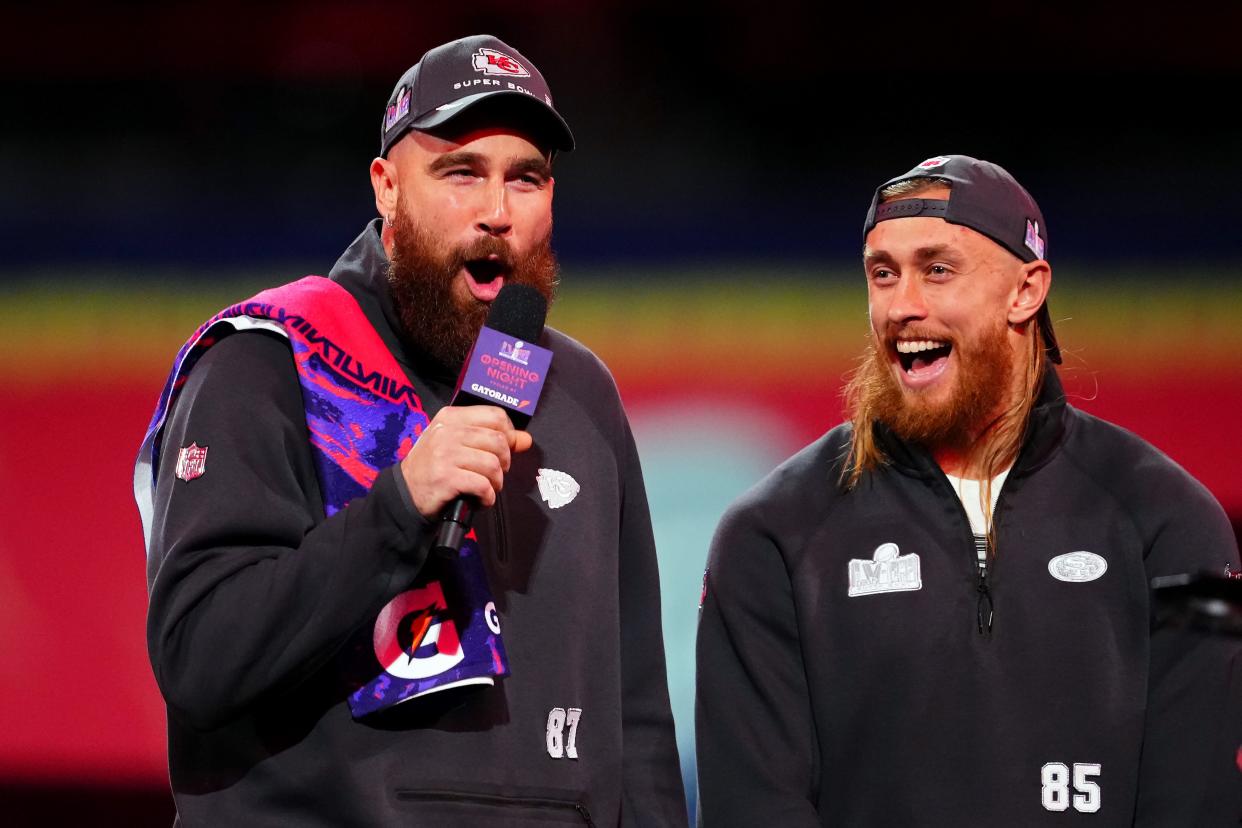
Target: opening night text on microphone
507 370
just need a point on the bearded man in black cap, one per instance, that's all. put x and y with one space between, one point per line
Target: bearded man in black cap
320 663
939 613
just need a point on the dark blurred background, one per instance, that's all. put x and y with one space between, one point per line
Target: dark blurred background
188 134
159 160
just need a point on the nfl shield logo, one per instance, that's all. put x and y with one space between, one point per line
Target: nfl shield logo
191 462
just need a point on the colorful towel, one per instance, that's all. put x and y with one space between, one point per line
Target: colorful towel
363 416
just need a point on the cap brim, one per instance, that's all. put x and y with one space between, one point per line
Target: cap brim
548 123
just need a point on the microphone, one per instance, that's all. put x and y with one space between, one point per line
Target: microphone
504 369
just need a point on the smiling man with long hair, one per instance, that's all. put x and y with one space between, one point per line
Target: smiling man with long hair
939 614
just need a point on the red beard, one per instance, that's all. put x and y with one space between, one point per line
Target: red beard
977 399
421 275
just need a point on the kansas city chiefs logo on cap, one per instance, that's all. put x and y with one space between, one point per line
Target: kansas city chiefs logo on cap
491 62
930 163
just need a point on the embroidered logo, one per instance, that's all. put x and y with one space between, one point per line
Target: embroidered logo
191 462
399 109
556 487
1033 241
932 163
1077 567
887 571
491 62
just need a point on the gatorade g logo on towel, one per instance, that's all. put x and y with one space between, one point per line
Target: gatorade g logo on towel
414 638
442 633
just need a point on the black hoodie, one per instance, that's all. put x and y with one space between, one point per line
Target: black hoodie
253 594
844 680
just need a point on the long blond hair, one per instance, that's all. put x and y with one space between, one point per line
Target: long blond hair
995 449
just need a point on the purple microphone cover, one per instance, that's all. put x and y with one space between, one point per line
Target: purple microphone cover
507 371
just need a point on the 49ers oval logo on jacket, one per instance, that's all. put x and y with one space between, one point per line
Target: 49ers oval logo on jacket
1077 567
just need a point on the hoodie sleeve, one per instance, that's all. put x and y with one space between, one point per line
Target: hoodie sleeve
1189 773
757 757
251 590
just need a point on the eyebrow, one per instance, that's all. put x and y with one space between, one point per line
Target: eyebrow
465 158
922 254
455 159
539 166
871 256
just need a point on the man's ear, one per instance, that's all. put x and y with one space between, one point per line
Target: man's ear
384 183
1031 291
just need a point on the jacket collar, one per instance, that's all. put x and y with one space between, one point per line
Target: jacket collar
1044 433
363 270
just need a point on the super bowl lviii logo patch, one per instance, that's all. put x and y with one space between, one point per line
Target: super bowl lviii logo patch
398 110
887 571
1034 242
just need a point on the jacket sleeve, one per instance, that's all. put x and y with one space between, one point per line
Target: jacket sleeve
251 590
755 738
652 790
1188 774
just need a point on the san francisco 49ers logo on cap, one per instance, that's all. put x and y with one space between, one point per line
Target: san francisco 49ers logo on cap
491 62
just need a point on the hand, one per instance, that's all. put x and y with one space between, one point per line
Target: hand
464 450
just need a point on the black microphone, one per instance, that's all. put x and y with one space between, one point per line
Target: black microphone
505 369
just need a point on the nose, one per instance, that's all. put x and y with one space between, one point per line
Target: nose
908 303
494 217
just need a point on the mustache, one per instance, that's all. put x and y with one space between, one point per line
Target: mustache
422 278
495 251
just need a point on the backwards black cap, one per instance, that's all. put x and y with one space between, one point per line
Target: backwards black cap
454 78
985 198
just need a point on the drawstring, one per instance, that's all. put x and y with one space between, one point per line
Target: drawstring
984 610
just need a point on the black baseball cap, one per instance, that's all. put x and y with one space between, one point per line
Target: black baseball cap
983 197
453 79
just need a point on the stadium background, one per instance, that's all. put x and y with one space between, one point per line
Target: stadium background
159 162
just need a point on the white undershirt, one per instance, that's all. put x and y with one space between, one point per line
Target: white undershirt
968 491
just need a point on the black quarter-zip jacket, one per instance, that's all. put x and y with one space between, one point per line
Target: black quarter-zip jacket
254 594
891 707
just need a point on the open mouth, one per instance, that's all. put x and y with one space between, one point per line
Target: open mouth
484 271
922 356
485 277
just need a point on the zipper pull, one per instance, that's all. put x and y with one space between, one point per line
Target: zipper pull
984 609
